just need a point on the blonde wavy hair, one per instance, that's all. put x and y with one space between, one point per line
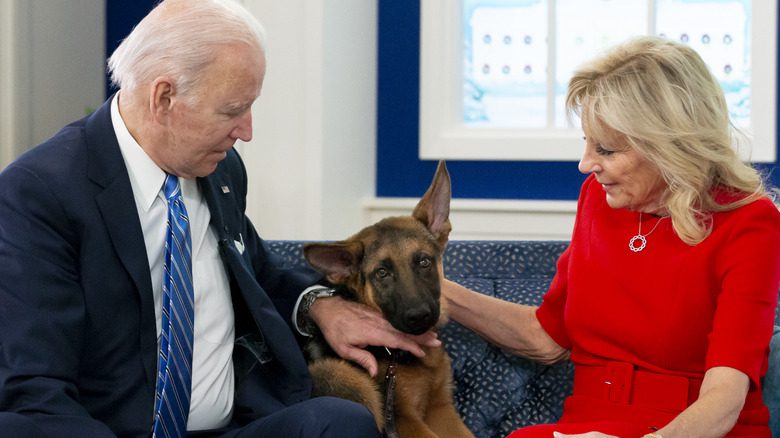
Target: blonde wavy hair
661 96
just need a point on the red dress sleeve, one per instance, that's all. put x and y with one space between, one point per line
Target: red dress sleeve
550 313
744 319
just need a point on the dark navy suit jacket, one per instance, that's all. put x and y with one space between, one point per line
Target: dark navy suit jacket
78 343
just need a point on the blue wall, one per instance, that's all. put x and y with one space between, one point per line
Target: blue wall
401 173
121 17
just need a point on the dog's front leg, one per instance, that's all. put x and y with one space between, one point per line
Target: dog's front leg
445 421
412 427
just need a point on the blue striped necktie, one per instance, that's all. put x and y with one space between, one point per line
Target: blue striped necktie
174 369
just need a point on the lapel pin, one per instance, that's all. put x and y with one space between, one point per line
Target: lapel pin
225 189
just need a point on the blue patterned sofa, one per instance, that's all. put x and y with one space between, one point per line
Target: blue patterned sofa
495 392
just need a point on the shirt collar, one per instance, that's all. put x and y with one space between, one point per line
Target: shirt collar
146 178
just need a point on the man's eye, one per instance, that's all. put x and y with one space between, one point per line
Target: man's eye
234 112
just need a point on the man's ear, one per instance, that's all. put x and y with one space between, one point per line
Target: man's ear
162 94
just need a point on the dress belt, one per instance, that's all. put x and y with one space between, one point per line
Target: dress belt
622 383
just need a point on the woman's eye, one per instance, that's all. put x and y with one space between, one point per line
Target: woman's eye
601 151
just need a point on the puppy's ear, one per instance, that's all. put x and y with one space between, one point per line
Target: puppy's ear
433 210
338 261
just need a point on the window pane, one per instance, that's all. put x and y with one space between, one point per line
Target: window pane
505 52
585 28
505 63
719 30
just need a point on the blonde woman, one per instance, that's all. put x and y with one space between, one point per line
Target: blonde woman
665 299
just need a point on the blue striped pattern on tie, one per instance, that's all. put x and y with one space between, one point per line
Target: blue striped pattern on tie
174 370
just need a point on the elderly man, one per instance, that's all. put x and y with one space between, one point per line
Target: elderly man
137 297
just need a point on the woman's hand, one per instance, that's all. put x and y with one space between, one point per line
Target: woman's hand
349 327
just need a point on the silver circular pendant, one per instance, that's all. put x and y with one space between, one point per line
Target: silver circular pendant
642 244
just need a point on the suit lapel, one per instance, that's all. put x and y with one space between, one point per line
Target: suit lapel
227 219
106 168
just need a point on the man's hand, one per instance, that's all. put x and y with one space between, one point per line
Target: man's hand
349 327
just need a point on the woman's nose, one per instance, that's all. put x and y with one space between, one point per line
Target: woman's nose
589 163
586 163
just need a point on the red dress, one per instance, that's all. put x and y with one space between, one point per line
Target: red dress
667 313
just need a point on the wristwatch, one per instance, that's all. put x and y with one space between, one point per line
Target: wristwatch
302 319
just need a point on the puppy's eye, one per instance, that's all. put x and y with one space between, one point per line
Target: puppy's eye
382 273
424 262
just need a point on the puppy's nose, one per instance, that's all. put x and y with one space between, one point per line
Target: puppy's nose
418 320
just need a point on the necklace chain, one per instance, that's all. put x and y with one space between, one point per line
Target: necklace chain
642 238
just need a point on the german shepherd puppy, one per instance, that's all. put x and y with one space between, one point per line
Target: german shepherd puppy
395 267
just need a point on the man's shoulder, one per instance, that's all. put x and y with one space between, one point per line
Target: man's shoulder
67 150
58 156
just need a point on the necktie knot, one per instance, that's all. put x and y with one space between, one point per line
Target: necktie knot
171 187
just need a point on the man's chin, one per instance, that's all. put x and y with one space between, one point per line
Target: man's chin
211 164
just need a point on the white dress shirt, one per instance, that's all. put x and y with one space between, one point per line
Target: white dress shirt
212 363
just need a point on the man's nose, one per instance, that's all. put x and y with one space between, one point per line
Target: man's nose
243 131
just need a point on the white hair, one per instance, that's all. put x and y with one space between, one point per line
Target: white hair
179 38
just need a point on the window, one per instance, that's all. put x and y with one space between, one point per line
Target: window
494 72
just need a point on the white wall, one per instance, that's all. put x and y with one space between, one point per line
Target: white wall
51 68
311 160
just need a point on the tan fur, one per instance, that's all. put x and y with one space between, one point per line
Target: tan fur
409 248
338 378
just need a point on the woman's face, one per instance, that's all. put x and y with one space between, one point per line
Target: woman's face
629 180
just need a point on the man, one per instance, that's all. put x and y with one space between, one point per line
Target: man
136 296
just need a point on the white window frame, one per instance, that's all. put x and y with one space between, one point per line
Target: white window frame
444 136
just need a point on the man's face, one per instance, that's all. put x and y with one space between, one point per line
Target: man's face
205 127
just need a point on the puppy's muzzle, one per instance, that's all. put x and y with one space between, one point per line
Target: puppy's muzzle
418 319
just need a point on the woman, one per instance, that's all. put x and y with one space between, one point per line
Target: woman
665 298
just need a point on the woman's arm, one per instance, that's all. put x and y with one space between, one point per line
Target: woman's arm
513 327
721 398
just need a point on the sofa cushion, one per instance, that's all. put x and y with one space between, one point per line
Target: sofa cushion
496 392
